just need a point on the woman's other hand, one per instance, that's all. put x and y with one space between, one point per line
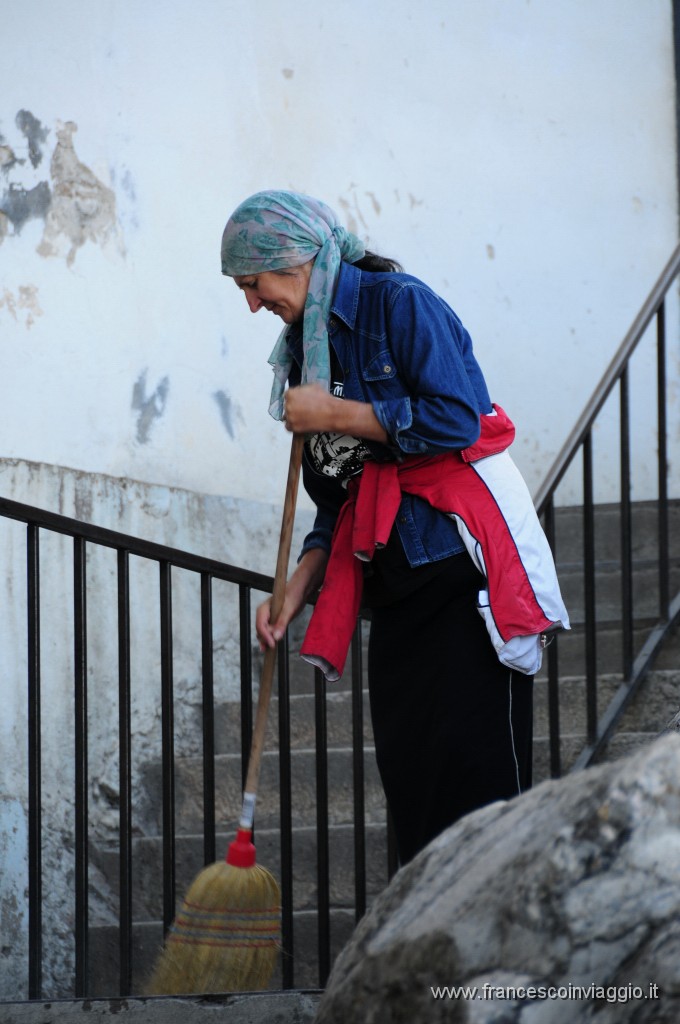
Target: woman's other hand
307 578
311 409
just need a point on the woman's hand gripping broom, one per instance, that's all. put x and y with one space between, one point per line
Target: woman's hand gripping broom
226 936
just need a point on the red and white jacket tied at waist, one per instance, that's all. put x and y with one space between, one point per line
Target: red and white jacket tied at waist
482 489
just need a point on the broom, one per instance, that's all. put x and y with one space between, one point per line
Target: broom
226 936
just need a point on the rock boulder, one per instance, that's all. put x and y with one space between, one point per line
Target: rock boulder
562 905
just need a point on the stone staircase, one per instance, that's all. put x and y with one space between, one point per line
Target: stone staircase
659 696
645 719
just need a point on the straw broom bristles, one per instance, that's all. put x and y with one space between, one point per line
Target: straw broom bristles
226 935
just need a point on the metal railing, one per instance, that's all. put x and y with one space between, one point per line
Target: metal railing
634 663
84 538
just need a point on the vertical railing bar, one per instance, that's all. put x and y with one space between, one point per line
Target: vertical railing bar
590 605
662 452
626 528
392 854
125 775
554 709
168 746
81 922
208 698
322 838
35 938
553 688
286 816
358 775
244 594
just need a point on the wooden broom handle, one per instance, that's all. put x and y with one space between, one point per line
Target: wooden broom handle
278 596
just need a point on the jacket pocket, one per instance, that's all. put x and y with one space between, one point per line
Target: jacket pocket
380 367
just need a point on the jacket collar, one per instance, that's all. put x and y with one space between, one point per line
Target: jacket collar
345 303
346 298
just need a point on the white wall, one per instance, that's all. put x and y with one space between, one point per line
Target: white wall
518 156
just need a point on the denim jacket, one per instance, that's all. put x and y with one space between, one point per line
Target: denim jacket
404 350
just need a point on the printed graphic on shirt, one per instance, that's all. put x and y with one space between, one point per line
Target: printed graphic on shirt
337 455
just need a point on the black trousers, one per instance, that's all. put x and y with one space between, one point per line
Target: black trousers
452 725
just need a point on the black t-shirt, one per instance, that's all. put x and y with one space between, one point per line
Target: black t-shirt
337 455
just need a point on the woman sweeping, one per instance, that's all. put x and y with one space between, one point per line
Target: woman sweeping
421 514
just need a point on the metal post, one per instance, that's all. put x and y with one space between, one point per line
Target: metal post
589 589
322 829
626 530
81 923
35 939
125 776
168 743
209 850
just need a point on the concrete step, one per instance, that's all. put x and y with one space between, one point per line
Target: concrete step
621 745
147 853
658 699
571 648
647 715
608 589
295 1007
302 712
669 655
572 703
607 534
188 781
656 702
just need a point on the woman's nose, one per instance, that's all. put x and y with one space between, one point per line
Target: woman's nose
254 302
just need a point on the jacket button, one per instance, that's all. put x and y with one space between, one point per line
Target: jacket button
387 368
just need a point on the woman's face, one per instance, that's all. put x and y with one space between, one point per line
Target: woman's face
282 292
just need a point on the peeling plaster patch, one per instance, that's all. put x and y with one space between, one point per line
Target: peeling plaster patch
149 408
28 300
83 208
8 300
374 201
34 133
25 302
225 405
491 252
287 72
7 157
20 205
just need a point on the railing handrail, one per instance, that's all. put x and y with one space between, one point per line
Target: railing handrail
133 545
610 377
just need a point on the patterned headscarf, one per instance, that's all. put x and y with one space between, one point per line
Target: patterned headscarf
273 230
